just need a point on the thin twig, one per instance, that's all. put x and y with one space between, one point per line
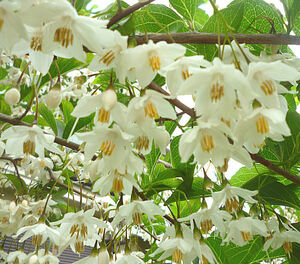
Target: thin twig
127 12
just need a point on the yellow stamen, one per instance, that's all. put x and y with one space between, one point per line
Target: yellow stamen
231 204
206 225
74 229
79 247
246 236
226 122
216 92
137 218
1 23
29 147
43 164
262 125
103 116
4 220
16 261
83 231
118 185
37 239
142 143
185 74
36 44
224 168
150 110
268 87
40 210
177 256
207 143
288 247
204 260
64 36
154 63
107 147
108 57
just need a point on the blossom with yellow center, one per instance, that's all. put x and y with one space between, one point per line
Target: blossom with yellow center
144 61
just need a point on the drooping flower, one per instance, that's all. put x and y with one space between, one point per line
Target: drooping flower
28 140
229 196
16 257
144 61
241 231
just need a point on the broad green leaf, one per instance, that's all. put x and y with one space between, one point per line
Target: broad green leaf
233 15
67 109
48 116
3 73
4 107
274 192
159 19
80 124
20 187
200 18
248 254
186 8
152 158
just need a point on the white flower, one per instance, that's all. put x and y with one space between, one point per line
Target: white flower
48 258
261 123
182 69
229 196
178 248
16 257
217 90
206 218
129 259
28 140
111 141
40 233
132 212
204 252
284 239
144 61
79 227
53 98
264 78
2 147
11 27
38 207
241 231
206 141
152 104
12 96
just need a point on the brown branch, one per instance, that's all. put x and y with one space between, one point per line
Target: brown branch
190 111
120 15
276 169
212 38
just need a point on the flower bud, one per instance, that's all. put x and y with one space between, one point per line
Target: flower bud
109 99
103 257
94 175
53 98
33 259
12 96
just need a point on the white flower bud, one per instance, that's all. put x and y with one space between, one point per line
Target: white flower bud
25 203
53 98
12 206
109 99
33 259
94 170
12 96
103 257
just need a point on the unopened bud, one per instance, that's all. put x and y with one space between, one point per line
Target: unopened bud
33 259
109 99
12 96
53 98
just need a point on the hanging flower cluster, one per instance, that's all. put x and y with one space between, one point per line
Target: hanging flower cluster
238 101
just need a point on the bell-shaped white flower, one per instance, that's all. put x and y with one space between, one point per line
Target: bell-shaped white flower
217 90
133 211
16 257
48 258
144 61
152 104
261 123
229 196
11 26
181 70
264 78
241 231
28 140
206 218
111 141
204 252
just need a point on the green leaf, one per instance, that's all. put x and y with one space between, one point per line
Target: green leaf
274 192
248 254
67 109
200 18
186 8
4 107
80 124
233 15
16 182
3 73
159 19
152 158
48 116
